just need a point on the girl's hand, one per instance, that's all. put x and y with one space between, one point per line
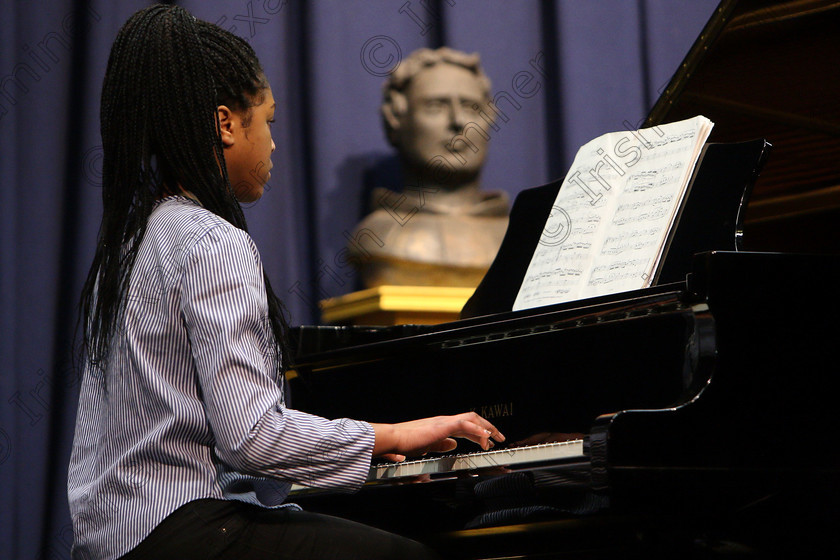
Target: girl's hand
396 441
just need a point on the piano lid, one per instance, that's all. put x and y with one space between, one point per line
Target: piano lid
767 69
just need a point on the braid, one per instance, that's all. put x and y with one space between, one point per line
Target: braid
166 75
239 77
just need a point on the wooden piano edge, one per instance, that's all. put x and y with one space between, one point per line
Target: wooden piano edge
596 537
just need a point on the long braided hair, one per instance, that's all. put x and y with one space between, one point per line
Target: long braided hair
166 75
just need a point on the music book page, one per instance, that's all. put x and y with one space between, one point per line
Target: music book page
610 221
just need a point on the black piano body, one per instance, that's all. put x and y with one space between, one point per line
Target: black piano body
703 404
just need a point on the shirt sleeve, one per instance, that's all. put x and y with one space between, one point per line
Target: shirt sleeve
224 306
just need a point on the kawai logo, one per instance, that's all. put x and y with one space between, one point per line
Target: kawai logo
494 410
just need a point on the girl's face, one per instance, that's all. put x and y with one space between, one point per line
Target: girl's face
248 149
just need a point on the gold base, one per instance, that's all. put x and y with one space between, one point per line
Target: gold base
396 305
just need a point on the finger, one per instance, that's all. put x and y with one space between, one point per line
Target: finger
473 432
492 431
396 457
444 445
496 434
477 429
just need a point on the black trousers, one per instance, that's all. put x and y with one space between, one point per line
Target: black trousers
220 529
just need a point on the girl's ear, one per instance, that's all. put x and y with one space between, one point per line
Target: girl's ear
226 125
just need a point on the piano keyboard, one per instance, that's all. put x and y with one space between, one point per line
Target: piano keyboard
392 472
477 461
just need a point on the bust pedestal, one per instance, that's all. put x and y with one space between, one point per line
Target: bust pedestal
396 305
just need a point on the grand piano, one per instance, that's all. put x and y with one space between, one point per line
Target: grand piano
695 418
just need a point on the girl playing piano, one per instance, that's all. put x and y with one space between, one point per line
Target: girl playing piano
183 445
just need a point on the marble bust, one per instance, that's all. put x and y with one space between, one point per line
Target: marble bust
440 228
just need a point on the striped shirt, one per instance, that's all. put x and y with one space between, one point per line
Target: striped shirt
190 404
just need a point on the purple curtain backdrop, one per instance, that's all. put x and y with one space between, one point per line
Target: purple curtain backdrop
563 72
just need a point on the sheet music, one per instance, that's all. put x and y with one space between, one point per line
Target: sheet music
610 220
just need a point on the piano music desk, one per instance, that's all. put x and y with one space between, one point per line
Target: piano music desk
396 305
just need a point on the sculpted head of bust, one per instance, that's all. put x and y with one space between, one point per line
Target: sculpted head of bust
440 228
434 115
